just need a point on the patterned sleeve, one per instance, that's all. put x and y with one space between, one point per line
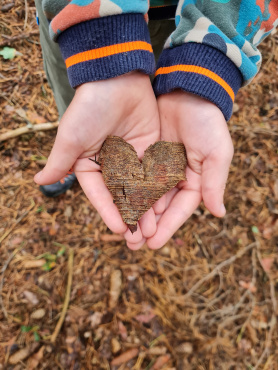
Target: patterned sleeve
213 51
101 39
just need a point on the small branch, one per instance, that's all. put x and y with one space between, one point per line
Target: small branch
67 298
216 270
32 128
10 40
4 268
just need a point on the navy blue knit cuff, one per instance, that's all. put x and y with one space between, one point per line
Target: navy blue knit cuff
106 47
201 70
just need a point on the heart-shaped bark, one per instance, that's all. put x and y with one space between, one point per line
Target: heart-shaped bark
136 186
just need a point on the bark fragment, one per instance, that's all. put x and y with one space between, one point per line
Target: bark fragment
136 186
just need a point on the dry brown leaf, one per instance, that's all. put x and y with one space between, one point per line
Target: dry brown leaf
38 314
267 263
125 357
136 186
115 345
115 287
35 359
34 263
248 285
31 297
122 330
157 351
145 318
161 361
22 354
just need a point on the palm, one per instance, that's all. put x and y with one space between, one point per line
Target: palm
200 125
125 107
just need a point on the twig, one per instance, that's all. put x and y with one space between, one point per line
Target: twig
17 221
216 270
10 40
30 128
4 268
67 298
26 14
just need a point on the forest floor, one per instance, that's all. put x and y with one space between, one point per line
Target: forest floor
206 300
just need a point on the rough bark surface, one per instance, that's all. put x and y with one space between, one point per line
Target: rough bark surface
136 186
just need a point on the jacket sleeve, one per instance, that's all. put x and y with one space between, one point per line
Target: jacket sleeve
101 39
213 51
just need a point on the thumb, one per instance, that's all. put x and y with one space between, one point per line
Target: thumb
215 172
61 159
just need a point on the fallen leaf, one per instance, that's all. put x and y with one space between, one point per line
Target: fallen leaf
248 285
9 53
95 319
38 314
33 263
161 361
115 345
145 318
267 263
31 297
125 357
35 359
136 186
35 118
157 351
23 353
122 330
184 348
115 287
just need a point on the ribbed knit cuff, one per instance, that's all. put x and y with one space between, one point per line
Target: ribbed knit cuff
106 47
201 70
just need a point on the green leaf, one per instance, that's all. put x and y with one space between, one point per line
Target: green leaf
255 230
40 209
61 251
36 336
25 329
48 266
8 53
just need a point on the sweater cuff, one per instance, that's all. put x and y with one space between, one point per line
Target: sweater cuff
106 47
201 70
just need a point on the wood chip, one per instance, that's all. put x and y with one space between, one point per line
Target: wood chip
125 357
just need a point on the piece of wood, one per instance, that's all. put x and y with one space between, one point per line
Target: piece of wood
136 186
29 128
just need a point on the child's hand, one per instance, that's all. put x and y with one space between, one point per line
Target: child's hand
124 106
201 126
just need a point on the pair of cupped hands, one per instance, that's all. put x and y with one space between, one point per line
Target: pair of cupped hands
125 106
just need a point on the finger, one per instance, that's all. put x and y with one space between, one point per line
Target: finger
100 197
180 209
161 205
61 159
136 246
148 223
215 172
135 237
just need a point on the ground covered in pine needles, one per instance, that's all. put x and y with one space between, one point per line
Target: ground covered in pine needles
72 296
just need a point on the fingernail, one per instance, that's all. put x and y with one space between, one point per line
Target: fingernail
222 208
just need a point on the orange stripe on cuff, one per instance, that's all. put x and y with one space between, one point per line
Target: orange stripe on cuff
107 51
200 70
